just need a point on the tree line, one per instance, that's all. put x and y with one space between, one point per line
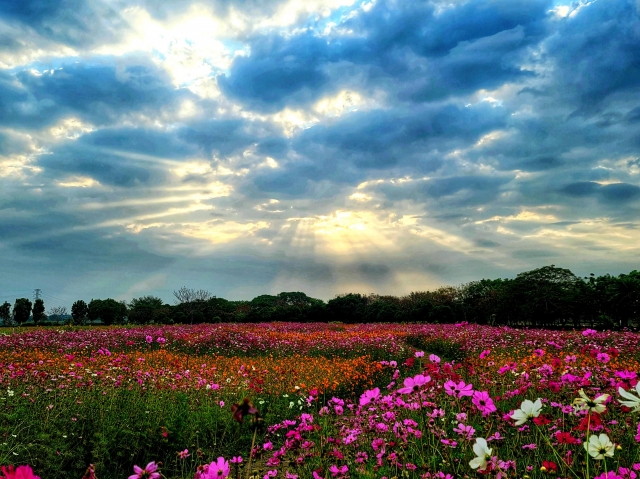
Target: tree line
547 297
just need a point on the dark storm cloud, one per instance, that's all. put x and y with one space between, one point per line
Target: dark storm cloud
596 56
97 248
429 56
76 23
450 192
362 143
105 155
613 193
566 120
96 92
221 137
10 144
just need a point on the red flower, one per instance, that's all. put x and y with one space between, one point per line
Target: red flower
565 438
541 420
409 362
593 423
550 466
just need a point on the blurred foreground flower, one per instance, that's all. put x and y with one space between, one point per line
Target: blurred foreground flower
483 452
632 401
245 408
21 472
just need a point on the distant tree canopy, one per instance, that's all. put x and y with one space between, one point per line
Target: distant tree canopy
79 312
21 310
548 297
38 311
109 311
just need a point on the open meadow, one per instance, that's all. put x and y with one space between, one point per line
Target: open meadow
320 401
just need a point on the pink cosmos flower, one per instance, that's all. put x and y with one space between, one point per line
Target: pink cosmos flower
419 354
236 459
414 383
538 352
458 390
466 431
483 402
218 469
434 359
149 472
184 454
149 339
603 357
369 396
335 470
21 472
608 475
485 353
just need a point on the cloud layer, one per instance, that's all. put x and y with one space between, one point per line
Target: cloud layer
325 146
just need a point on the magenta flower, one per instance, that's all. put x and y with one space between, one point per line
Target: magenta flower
466 431
483 402
458 390
434 358
149 339
218 469
335 470
21 472
419 354
149 472
485 353
369 396
236 459
414 383
184 454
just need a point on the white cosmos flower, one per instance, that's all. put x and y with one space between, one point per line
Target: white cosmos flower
528 409
483 452
633 401
600 446
592 405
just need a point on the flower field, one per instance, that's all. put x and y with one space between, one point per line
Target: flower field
319 401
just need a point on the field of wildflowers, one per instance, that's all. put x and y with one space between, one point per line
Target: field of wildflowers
318 401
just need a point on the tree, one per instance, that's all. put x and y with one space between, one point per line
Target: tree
21 310
189 298
57 313
141 310
109 311
545 297
79 312
5 312
38 311
348 308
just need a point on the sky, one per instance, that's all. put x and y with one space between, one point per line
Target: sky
251 147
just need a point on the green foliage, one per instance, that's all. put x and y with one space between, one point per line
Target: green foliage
38 311
348 308
109 311
79 312
142 310
61 432
444 348
5 312
21 310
